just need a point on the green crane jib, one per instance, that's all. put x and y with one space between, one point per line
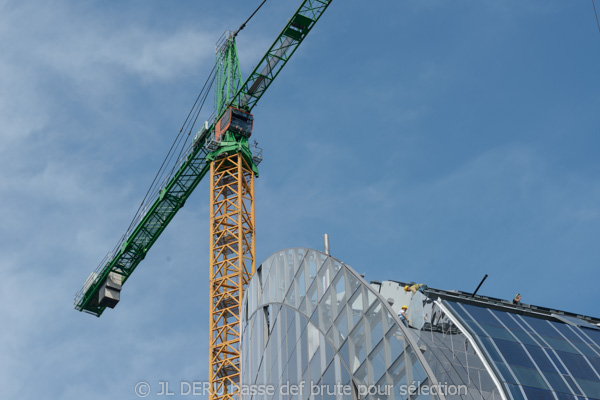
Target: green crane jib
102 288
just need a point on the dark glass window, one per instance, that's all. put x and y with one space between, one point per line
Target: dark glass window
459 310
514 353
537 394
498 333
577 365
540 358
595 361
506 375
507 319
542 327
572 384
557 382
564 396
529 377
525 338
516 392
482 315
567 332
591 389
487 343
593 334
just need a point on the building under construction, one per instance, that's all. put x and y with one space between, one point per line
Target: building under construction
303 318
312 324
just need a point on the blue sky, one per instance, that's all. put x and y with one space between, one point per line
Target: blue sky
435 141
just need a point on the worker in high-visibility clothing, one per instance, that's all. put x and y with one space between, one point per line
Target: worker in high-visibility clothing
403 316
421 287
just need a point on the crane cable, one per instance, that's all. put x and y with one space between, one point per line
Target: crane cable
249 18
160 173
188 123
597 22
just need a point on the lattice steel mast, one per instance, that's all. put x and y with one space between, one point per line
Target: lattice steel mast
222 148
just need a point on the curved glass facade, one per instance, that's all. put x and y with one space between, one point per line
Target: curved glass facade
309 318
312 328
537 358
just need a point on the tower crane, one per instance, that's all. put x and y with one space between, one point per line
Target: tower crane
221 150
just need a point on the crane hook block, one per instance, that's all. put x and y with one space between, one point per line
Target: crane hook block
236 121
110 291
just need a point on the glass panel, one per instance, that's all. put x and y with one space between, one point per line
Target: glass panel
506 375
499 333
559 344
299 255
570 333
313 340
396 343
370 297
572 384
266 297
302 348
577 365
339 284
315 367
301 284
564 396
592 334
293 366
538 394
345 352
325 312
311 264
540 358
356 308
375 324
335 266
357 350
591 389
290 299
513 353
315 317
288 270
341 324
557 382
353 283
482 315
398 374
377 359
329 381
516 392
507 320
595 361
567 332
529 377
525 338
557 363
324 280
333 336
345 375
360 376
541 326
311 299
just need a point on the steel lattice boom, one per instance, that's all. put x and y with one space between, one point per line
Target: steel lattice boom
221 147
134 245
